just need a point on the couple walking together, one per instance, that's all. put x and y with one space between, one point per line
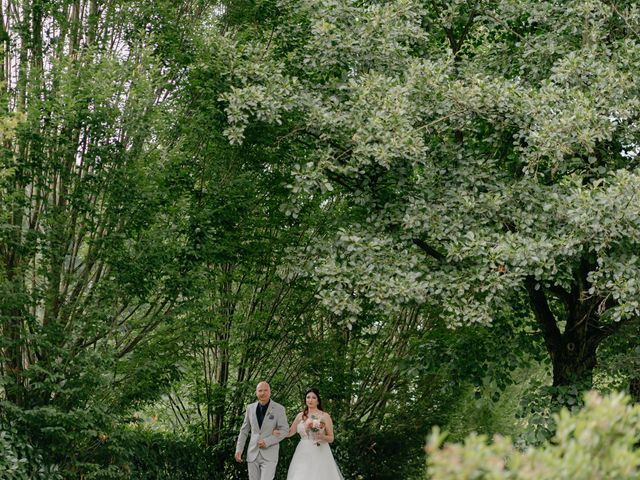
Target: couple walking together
266 422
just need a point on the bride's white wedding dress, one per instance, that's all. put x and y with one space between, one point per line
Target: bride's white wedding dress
312 461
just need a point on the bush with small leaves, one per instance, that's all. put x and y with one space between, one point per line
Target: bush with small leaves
597 442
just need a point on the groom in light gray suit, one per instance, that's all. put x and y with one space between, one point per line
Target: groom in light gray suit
261 419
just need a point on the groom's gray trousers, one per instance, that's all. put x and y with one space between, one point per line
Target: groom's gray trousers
261 469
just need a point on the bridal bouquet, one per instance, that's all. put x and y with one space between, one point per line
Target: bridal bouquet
314 425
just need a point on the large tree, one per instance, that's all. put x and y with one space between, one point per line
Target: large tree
487 151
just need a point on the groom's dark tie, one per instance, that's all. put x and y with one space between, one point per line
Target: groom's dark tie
260 413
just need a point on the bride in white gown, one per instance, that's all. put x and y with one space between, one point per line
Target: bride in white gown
313 459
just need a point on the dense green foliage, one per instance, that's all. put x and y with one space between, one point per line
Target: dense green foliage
425 209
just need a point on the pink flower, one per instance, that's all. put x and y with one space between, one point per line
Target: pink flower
314 425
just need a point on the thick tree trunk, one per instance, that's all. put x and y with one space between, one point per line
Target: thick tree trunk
573 362
634 389
573 352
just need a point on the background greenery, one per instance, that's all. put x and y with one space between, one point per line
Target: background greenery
425 209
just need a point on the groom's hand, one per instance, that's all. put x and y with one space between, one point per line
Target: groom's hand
262 444
238 456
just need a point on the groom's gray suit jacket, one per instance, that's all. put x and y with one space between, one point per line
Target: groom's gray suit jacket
274 419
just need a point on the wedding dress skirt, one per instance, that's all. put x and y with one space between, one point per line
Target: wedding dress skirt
312 461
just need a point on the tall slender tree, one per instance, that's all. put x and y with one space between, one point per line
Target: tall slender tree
89 241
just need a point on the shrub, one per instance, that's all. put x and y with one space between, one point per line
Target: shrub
148 455
597 442
20 460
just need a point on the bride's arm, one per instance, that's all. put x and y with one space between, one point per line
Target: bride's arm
293 429
328 428
294 425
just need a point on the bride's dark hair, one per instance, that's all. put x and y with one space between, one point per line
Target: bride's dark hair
315 391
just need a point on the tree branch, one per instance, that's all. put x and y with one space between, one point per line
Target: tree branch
561 293
497 20
610 329
429 250
544 315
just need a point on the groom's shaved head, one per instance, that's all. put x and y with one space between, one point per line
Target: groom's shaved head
263 392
